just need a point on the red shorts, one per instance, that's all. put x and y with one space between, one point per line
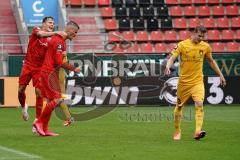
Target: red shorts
29 73
50 87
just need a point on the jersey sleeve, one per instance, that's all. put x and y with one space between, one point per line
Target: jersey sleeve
177 50
59 52
59 57
35 30
208 52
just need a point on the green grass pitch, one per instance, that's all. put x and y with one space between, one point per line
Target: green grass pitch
126 133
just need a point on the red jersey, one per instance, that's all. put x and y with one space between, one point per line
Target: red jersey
37 48
54 57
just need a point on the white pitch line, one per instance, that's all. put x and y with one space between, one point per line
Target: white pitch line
26 155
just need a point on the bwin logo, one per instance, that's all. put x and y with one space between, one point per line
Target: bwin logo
168 91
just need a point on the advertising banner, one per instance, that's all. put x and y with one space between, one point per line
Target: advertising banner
9 93
35 10
151 64
143 90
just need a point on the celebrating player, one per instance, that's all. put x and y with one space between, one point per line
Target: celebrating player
192 53
50 86
33 61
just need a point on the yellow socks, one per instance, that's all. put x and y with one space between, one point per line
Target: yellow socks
177 118
199 118
65 110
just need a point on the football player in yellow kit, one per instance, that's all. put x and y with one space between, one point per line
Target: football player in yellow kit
63 106
191 53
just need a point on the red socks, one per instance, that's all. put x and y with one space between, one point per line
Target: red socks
46 114
39 104
22 98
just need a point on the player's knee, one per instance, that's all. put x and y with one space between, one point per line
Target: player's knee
178 108
198 104
21 88
58 100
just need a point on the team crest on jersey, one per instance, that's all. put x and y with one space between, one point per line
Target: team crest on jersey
59 47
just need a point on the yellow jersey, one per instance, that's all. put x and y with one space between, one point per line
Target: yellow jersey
191 58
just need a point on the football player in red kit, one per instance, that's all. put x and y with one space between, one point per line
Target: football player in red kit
50 87
33 61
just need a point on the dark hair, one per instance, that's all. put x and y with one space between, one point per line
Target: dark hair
72 23
46 18
201 29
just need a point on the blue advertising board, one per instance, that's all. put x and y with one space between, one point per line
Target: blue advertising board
35 10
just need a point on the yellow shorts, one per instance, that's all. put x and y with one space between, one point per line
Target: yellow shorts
184 92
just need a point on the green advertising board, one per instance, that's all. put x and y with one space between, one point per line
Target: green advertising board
228 63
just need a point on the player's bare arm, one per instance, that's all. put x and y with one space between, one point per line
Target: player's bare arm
215 67
49 34
169 65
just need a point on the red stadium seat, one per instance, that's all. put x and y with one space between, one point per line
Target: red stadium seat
110 24
228 35
209 23
142 36
170 36
232 47
213 2
107 12
218 47
194 22
222 23
204 11
102 3
185 2
135 48
190 11
199 2
146 48
232 10
213 35
238 35
112 37
171 46
128 35
156 36
118 49
90 3
218 11
176 11
235 22
171 2
180 23
184 35
160 48
228 1
73 2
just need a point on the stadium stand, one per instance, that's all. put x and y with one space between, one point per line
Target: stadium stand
9 39
159 22
172 20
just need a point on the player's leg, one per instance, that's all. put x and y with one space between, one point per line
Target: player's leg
63 106
198 97
24 79
36 79
183 95
51 89
39 102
